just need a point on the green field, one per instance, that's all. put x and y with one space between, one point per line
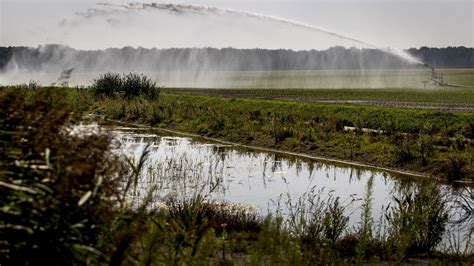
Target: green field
395 88
451 97
312 79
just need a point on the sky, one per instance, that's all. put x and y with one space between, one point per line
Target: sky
395 23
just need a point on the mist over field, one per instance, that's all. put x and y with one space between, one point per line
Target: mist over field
227 67
186 44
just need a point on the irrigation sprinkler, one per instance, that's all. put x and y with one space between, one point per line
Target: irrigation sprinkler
436 79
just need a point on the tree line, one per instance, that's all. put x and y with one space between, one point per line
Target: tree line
58 57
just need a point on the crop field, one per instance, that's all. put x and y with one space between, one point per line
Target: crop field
353 89
313 79
449 98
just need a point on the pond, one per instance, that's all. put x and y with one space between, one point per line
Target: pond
182 166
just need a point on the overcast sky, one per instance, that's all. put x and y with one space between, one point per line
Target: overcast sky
396 23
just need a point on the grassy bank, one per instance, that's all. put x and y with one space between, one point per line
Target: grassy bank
432 142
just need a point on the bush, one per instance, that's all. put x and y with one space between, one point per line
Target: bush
405 150
454 167
126 85
335 221
108 85
136 85
418 220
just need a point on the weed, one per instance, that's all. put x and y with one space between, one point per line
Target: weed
418 220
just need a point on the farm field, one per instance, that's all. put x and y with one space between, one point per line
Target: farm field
450 99
441 98
312 79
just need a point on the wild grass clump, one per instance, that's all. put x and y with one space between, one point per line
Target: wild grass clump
108 84
413 226
126 86
58 190
232 216
318 224
135 85
418 221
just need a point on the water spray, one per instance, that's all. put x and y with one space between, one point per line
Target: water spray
63 79
435 79
113 12
180 9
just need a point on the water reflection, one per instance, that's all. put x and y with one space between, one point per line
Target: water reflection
185 167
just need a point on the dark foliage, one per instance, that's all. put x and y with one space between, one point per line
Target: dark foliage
135 85
109 84
126 86
445 57
56 187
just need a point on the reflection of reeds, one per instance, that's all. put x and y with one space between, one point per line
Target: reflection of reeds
314 218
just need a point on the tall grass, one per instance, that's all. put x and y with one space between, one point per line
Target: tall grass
58 189
68 199
418 220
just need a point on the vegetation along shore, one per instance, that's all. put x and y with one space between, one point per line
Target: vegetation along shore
66 196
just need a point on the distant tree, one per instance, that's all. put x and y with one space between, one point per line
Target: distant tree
57 58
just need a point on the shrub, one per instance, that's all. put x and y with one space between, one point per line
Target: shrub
418 220
335 221
127 86
108 85
134 85
317 220
405 150
454 168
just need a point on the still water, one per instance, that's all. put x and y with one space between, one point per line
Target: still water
182 166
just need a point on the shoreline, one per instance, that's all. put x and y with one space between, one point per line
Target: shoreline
297 154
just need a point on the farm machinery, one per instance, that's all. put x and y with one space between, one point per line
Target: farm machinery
436 79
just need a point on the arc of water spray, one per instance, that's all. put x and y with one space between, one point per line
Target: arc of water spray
214 10
205 10
177 8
